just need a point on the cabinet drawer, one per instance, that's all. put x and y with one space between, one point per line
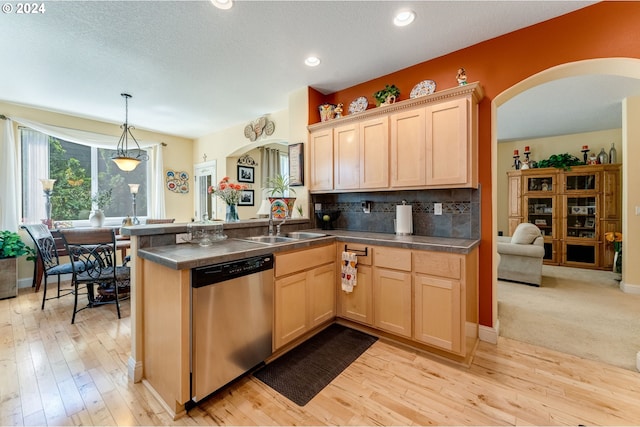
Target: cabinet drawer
359 249
437 264
292 262
397 259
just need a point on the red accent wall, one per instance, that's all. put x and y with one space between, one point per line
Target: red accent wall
603 30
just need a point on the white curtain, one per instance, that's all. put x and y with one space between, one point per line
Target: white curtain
156 208
270 158
8 177
36 149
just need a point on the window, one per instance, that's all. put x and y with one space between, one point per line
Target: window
80 171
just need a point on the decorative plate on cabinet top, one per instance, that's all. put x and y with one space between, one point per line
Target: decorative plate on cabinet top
358 105
425 87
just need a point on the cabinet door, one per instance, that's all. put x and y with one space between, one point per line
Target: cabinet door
448 144
438 314
291 318
346 146
321 291
358 305
515 194
321 159
392 301
374 153
408 148
611 199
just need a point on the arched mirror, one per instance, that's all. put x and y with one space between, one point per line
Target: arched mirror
254 166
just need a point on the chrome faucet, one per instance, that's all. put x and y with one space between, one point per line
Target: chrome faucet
271 217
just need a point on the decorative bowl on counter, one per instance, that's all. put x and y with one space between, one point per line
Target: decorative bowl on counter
327 218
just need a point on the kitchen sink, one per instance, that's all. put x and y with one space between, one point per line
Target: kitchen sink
269 239
305 235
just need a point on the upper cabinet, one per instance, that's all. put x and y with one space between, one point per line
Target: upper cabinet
425 142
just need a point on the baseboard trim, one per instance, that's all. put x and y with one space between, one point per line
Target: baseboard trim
630 288
134 370
489 334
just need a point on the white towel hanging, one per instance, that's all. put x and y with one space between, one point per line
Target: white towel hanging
349 271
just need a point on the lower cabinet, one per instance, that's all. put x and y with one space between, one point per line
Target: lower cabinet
438 312
427 297
305 293
392 290
358 304
392 301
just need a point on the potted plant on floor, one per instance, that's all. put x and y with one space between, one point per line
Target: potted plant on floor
11 247
280 189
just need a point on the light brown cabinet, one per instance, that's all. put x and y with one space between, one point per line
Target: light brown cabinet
305 294
361 155
392 290
321 160
424 296
573 209
358 304
439 307
425 142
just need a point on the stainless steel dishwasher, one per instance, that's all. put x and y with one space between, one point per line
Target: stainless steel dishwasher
231 323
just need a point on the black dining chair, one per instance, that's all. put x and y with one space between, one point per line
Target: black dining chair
95 249
48 260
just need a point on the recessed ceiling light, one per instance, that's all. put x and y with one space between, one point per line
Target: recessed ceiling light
222 4
312 61
404 18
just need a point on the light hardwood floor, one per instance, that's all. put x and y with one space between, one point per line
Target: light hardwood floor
55 373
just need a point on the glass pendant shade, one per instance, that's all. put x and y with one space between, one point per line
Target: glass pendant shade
126 164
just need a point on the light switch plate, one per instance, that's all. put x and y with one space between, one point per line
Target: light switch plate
437 208
318 207
637 210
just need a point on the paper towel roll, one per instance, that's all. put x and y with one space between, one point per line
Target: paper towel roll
404 220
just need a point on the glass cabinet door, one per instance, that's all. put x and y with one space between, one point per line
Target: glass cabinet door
586 181
540 213
539 183
581 217
580 243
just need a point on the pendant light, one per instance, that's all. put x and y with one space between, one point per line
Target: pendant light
123 158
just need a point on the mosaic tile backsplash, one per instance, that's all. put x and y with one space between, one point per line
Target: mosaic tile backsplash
460 211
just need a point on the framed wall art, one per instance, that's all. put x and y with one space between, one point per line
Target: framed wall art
246 174
296 165
246 198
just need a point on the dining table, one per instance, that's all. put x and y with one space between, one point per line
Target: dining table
123 243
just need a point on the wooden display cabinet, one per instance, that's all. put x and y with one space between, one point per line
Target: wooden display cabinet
573 210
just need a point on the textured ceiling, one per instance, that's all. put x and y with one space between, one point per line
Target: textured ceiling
193 69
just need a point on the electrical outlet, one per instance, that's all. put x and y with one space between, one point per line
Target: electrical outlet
437 208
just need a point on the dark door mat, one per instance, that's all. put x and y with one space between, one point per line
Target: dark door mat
301 373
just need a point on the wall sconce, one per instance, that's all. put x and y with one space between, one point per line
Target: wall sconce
133 188
47 187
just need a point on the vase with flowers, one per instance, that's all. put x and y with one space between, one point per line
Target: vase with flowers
230 193
615 238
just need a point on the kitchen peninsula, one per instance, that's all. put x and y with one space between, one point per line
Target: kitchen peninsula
416 290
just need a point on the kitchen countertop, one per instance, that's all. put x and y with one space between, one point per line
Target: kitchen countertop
188 256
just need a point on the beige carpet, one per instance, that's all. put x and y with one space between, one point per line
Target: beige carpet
576 311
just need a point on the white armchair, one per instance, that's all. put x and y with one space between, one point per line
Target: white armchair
521 255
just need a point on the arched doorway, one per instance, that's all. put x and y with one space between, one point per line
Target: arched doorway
625 67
